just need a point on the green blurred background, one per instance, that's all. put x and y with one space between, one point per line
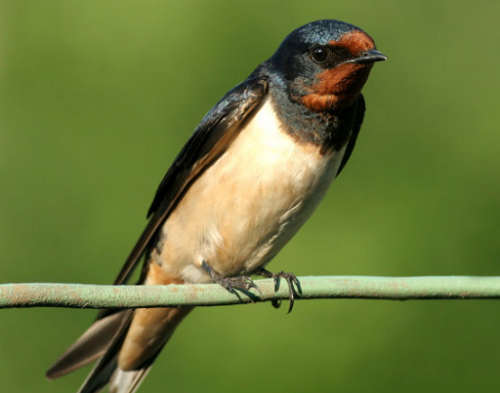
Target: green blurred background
96 99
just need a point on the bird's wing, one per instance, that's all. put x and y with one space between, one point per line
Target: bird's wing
359 114
209 141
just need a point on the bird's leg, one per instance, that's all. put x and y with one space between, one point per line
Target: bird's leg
290 279
230 283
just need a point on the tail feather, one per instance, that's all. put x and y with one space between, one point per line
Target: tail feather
99 377
91 345
107 369
104 369
127 343
127 381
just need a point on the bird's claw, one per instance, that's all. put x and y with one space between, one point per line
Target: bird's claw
230 283
240 282
290 278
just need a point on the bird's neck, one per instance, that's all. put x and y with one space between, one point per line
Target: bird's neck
329 129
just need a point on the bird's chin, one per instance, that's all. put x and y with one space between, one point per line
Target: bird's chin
320 102
329 102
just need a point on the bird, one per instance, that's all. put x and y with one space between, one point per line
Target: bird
254 170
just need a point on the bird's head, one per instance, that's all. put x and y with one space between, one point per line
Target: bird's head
324 64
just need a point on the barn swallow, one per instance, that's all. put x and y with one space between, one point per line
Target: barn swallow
252 173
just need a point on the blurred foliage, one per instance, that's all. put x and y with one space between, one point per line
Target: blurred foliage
96 99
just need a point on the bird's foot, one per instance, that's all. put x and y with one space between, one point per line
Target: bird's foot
290 279
230 283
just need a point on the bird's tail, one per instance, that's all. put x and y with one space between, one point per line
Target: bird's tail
127 342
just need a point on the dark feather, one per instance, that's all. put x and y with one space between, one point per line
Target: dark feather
359 114
90 346
106 366
209 141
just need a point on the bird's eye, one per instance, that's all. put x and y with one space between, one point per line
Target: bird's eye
320 54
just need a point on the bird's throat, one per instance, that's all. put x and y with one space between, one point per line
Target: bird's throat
337 88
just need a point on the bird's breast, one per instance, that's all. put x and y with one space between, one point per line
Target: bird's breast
243 209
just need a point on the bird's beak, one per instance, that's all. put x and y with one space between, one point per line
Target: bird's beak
369 56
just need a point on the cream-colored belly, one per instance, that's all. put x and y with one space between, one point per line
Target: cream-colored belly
248 204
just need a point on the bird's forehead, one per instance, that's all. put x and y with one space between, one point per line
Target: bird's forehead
331 32
354 41
324 31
